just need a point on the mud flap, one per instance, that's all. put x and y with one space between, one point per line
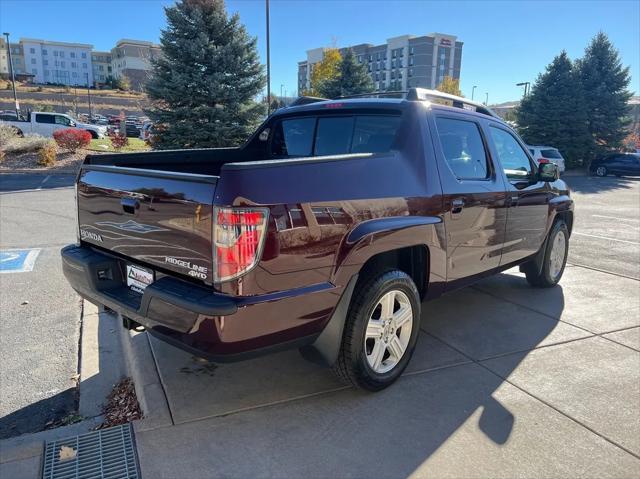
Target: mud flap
324 350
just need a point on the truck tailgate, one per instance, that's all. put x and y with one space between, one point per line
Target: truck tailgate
158 219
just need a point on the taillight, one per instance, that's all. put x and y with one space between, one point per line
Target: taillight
542 161
238 238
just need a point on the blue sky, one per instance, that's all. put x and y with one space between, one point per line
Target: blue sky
505 42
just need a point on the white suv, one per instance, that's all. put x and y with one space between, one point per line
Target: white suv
547 153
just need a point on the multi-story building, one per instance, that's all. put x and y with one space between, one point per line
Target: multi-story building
17 57
57 62
4 59
402 62
102 69
132 58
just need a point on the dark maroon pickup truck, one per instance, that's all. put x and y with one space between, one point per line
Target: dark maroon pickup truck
324 232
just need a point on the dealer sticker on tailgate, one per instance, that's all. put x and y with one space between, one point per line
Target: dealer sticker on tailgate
138 278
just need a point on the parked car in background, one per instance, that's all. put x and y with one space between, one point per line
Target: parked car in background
619 164
324 232
131 129
8 115
45 123
549 153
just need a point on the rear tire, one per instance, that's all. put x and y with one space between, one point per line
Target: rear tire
380 332
601 171
555 258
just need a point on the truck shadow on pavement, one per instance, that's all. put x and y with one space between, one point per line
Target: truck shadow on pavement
281 405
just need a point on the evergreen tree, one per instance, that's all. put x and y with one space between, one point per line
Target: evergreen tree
352 78
554 113
605 84
203 86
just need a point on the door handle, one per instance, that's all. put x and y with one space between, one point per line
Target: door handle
130 205
457 205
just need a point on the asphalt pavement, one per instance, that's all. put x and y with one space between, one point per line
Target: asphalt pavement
606 232
39 312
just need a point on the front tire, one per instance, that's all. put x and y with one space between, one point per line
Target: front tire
94 135
555 258
601 171
380 332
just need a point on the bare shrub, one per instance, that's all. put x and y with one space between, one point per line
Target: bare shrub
47 155
28 144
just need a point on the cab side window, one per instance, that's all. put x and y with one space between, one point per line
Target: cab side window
45 119
513 158
463 148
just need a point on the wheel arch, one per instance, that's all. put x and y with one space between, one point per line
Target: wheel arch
414 245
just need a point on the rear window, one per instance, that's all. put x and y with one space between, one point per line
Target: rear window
553 154
335 135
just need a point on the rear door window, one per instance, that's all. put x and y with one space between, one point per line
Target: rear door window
463 148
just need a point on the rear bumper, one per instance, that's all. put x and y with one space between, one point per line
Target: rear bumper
197 319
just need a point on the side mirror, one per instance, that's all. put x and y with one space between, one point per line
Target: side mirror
548 172
72 123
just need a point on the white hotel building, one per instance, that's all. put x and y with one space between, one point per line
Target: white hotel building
58 62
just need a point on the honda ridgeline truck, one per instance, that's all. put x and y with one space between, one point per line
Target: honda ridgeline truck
324 232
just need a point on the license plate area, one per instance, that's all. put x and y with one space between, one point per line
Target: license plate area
138 278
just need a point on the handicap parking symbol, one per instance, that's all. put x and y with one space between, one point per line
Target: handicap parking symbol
18 260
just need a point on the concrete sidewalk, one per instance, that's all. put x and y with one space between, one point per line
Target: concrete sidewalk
506 381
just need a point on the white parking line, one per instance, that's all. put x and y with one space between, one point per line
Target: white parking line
606 238
43 182
616 218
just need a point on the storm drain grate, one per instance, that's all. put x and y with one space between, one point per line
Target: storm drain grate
104 454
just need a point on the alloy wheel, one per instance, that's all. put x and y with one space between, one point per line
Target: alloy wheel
557 254
388 331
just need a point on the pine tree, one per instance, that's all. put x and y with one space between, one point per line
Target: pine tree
203 86
352 78
605 84
554 113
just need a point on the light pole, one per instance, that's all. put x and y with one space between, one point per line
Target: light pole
526 85
473 90
89 96
268 64
486 101
13 78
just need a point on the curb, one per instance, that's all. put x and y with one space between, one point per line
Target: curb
101 360
141 367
